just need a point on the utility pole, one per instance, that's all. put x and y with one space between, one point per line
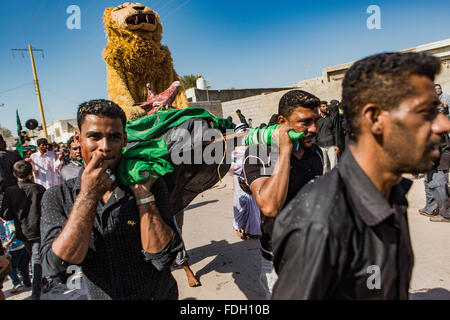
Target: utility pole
36 82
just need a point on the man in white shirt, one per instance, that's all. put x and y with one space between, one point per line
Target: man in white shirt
46 165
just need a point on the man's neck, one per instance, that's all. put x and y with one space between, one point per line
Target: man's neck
373 162
299 153
76 162
323 114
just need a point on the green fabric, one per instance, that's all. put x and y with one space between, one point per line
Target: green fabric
19 132
144 160
265 134
150 158
156 124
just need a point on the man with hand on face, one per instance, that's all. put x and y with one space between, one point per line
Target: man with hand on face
346 236
123 238
71 169
275 174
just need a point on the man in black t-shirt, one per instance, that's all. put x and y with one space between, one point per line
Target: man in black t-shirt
275 174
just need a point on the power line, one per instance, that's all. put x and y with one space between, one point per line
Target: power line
58 95
178 8
34 18
51 16
165 5
21 86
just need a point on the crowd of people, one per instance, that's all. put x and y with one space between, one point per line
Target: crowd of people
23 183
326 209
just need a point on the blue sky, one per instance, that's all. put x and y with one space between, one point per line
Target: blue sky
234 44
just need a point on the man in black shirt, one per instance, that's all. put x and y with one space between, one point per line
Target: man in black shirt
123 238
22 203
7 160
275 174
346 236
241 117
327 137
436 188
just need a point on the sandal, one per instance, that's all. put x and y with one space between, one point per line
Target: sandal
427 213
439 218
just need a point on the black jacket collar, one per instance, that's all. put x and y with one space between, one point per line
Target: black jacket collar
370 205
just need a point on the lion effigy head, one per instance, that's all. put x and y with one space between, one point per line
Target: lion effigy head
133 20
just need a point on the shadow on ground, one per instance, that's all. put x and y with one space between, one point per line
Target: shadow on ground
430 294
242 259
200 204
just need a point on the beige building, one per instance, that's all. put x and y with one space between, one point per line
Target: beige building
58 131
327 86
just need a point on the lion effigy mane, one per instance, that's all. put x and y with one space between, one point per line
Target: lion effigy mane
135 56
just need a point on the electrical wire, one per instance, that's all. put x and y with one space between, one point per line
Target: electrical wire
24 85
178 8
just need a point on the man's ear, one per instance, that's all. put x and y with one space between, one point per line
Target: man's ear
76 137
125 139
281 119
372 119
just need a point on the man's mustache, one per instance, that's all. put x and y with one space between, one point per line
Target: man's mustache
310 135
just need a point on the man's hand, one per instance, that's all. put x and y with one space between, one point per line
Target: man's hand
95 182
28 160
143 190
281 137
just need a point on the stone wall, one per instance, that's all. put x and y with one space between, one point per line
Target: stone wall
258 108
215 107
195 95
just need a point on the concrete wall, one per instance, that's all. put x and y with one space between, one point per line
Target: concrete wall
215 107
258 108
226 95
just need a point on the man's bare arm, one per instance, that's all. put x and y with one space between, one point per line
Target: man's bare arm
270 193
73 242
155 233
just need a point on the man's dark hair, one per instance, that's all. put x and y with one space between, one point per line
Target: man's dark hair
41 141
22 169
273 120
2 143
296 98
70 141
383 79
238 110
324 102
102 108
437 84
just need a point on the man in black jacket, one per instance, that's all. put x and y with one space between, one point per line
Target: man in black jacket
22 203
346 236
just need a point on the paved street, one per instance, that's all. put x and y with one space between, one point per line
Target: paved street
228 267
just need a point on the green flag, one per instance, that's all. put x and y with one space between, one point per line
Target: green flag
19 132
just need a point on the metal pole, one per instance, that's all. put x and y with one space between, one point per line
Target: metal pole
44 126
